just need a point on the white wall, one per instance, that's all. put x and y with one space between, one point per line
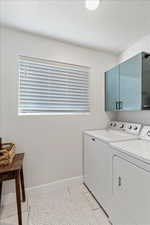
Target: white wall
0 81
53 143
143 116
141 45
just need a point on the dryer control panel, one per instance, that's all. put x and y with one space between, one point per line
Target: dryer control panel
145 133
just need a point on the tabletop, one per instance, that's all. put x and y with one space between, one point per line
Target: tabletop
15 165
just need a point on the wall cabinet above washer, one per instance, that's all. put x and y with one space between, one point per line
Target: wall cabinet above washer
127 86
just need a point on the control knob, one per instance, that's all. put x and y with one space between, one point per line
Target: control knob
148 133
130 127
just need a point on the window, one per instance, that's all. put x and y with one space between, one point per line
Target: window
49 86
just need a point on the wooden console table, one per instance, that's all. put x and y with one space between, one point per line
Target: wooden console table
15 171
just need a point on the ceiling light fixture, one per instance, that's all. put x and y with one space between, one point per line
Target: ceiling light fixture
92 4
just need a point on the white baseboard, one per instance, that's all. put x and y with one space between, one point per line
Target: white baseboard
59 184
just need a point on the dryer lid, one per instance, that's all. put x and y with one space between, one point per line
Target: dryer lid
137 148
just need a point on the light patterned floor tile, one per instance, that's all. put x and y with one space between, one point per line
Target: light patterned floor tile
72 205
64 207
101 217
9 208
14 220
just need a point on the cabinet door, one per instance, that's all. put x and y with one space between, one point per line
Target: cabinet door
112 89
98 170
130 84
131 194
146 82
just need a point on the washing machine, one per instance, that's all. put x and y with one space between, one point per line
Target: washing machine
131 181
97 158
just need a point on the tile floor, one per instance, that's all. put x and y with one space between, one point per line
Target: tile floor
70 205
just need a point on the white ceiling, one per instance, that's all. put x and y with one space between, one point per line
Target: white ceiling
114 26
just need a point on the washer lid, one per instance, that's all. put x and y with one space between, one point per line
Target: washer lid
109 135
139 149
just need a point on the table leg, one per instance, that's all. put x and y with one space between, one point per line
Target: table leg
18 198
22 185
1 185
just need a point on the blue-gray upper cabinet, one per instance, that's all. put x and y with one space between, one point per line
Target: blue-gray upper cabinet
127 86
146 81
112 89
130 84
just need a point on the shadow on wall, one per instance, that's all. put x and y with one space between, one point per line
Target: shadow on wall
138 117
111 115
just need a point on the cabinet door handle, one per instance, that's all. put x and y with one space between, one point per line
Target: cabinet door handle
120 105
119 181
117 105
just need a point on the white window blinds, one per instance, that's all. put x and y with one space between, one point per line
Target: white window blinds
49 86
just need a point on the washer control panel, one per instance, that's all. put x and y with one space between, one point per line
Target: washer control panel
117 125
133 128
113 124
121 126
145 133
